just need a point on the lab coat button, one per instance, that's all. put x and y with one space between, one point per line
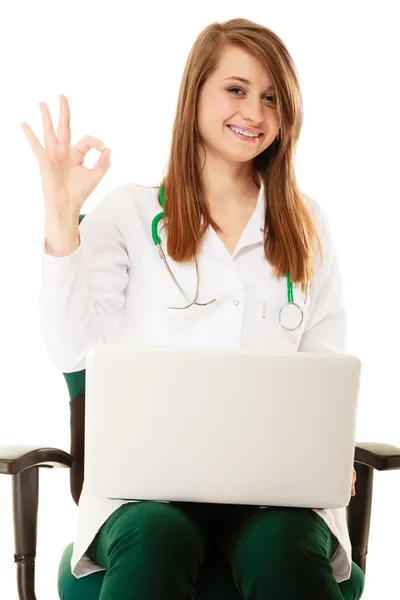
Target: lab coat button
236 302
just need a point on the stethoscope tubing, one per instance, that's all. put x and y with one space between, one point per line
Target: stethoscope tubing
157 242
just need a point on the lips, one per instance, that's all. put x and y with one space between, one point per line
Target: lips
254 137
249 129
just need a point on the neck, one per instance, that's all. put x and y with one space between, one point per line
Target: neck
231 184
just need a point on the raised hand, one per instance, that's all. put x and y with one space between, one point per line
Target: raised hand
66 182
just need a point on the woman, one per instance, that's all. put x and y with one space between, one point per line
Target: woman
233 206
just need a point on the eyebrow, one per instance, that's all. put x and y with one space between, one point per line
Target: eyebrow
243 80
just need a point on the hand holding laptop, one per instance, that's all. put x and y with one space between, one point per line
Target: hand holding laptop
353 487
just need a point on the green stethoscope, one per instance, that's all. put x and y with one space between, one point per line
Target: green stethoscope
291 315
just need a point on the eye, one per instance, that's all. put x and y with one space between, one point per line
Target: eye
232 89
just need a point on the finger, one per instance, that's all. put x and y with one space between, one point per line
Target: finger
64 129
50 139
36 146
83 146
101 167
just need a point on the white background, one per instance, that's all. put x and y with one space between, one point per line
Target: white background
120 67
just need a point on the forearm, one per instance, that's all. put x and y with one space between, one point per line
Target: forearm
66 313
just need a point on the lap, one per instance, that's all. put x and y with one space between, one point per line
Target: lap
219 528
235 535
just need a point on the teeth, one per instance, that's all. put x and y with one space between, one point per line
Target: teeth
248 133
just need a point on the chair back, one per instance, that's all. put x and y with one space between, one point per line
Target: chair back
76 386
76 383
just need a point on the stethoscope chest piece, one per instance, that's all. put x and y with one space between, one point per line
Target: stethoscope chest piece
291 316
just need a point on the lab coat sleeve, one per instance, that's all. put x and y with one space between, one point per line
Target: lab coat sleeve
81 295
326 323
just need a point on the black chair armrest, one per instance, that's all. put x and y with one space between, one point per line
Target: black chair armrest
22 462
382 457
17 458
368 456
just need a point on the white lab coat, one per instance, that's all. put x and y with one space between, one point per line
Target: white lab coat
114 288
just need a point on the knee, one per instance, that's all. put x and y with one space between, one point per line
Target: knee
358 580
283 530
279 541
283 551
151 547
353 588
155 524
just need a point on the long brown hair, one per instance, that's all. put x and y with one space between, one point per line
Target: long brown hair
290 231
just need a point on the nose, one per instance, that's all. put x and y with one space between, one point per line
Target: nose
252 110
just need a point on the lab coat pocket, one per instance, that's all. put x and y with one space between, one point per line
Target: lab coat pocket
302 298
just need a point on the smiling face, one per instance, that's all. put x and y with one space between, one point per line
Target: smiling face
224 101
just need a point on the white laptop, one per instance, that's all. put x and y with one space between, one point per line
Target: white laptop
220 426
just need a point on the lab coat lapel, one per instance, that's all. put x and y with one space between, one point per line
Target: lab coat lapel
254 231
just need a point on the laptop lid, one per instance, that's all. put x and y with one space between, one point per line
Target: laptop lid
223 426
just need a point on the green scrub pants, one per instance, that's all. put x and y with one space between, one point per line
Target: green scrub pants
158 551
